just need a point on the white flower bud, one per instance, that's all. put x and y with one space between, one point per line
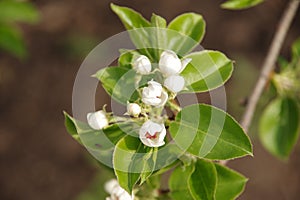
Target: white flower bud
142 65
154 95
170 64
116 191
97 120
152 134
174 83
133 109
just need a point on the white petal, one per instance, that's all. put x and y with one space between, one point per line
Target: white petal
152 143
133 109
169 63
162 134
154 83
174 83
152 101
152 128
163 99
153 90
142 65
97 120
111 185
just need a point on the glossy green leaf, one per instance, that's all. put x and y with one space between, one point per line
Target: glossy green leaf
119 82
71 127
207 70
190 30
240 4
208 132
230 183
158 21
132 160
127 58
130 18
279 127
158 35
178 183
99 143
139 29
11 11
11 40
203 181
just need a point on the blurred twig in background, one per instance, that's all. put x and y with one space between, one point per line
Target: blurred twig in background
270 60
269 64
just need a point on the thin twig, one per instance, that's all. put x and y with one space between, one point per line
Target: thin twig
269 63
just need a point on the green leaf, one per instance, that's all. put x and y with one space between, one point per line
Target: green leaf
203 181
208 132
279 127
99 143
139 29
240 4
130 18
71 127
11 11
207 70
167 157
189 29
131 161
230 183
158 35
11 40
178 183
158 21
119 82
126 58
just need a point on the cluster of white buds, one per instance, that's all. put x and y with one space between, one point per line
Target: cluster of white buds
171 66
116 192
152 133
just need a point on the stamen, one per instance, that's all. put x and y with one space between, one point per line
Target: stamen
148 136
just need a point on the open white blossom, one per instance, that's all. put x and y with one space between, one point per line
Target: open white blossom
97 120
154 94
116 191
152 134
133 109
142 65
170 64
174 83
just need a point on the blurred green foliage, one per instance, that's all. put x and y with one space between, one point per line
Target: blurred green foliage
279 127
240 4
13 12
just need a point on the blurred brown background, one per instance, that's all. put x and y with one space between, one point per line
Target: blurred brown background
39 160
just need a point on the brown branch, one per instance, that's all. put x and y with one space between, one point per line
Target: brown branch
269 63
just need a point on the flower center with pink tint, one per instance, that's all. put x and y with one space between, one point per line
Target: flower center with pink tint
148 136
